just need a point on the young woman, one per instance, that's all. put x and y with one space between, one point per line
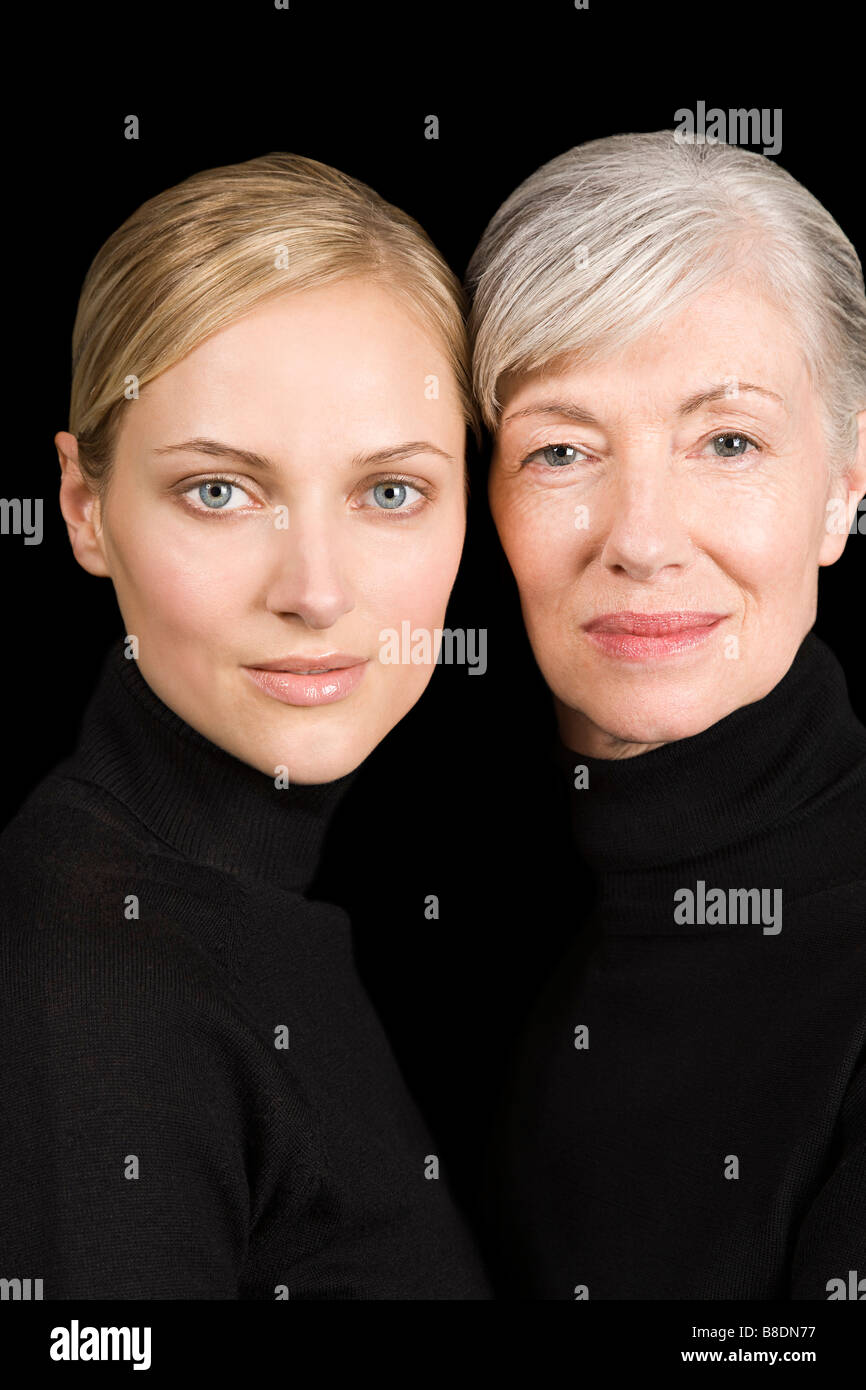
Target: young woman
266 457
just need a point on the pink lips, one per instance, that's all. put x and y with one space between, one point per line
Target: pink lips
641 636
309 680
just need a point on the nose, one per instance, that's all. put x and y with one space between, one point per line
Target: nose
310 578
646 533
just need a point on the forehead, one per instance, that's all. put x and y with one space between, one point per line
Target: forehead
342 356
729 334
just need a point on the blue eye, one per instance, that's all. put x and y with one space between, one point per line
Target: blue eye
731 444
390 495
215 493
558 455
395 495
555 455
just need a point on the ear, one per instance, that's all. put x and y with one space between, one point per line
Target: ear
845 492
80 508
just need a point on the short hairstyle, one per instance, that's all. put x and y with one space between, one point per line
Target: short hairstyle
611 238
199 255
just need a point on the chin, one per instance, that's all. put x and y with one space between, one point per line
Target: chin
661 726
325 765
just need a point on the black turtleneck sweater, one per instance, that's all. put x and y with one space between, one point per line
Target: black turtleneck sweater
197 1097
686 1116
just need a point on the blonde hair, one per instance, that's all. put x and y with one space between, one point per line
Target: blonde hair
200 254
609 239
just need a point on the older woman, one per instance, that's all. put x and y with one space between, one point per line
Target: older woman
670 349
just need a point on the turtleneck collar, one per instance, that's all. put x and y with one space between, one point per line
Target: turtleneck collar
197 798
750 771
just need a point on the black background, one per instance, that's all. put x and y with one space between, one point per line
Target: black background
456 802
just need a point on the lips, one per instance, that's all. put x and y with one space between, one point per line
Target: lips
630 636
322 678
652 624
302 665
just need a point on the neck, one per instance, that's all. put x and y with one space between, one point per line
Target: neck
195 798
751 770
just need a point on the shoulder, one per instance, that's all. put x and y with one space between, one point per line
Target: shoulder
75 858
68 823
119 996
101 926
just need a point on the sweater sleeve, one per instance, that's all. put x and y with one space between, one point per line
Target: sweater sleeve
129 1106
831 1242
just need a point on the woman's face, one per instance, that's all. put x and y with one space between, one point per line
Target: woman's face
665 515
328 507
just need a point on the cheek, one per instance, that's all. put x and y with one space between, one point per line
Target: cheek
406 587
543 537
411 576
174 580
768 543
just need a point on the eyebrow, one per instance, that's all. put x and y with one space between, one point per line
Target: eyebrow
261 464
572 410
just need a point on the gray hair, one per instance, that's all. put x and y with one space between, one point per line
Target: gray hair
614 236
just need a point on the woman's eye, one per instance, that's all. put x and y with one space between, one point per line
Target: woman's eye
731 445
217 494
392 495
557 455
